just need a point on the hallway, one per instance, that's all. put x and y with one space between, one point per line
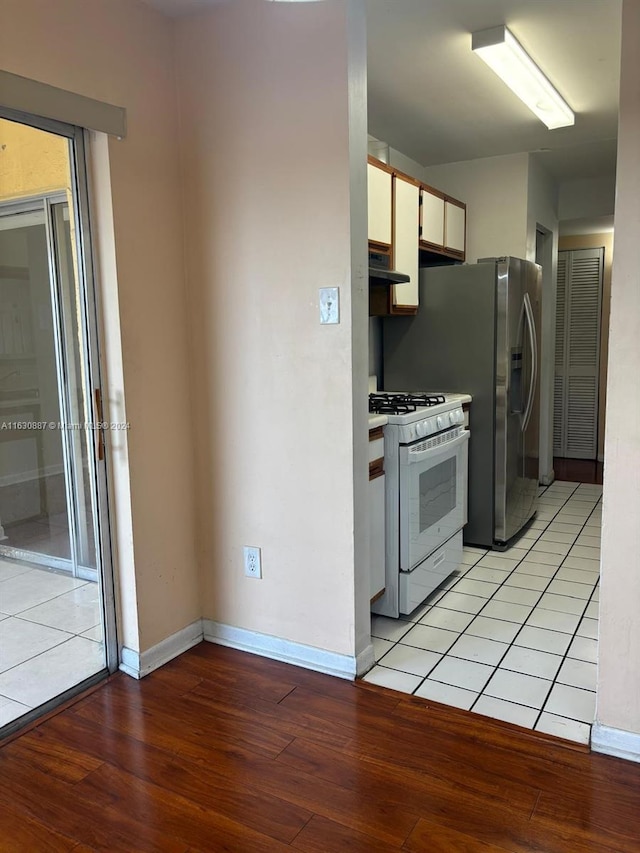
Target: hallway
513 634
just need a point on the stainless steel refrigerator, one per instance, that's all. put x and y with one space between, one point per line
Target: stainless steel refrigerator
478 331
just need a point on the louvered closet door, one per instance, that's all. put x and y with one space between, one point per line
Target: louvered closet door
578 308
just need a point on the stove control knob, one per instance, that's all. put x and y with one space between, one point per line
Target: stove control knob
440 421
452 417
459 416
422 428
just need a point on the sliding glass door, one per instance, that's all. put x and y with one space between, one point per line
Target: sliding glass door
57 626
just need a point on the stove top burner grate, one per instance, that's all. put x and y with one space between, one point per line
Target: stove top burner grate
401 404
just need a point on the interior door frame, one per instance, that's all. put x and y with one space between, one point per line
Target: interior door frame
91 316
546 257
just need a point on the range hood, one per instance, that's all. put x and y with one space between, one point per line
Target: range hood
380 272
379 275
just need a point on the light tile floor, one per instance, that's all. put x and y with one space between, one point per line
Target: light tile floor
511 635
50 636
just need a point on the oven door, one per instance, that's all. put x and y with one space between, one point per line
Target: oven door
433 494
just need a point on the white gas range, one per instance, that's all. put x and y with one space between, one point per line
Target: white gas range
425 457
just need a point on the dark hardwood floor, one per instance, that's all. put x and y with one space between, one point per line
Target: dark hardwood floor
225 751
578 470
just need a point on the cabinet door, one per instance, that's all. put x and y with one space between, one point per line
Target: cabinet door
432 218
455 226
379 185
376 535
406 240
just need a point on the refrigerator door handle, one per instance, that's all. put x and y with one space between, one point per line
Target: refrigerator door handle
531 326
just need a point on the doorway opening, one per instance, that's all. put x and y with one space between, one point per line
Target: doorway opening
57 622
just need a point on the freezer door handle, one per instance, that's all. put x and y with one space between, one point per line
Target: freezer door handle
531 326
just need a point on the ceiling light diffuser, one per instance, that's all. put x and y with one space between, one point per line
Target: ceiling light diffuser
506 56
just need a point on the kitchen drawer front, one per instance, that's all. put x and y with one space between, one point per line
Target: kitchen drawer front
376 449
415 586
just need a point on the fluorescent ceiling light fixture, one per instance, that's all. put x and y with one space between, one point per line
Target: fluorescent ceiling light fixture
506 56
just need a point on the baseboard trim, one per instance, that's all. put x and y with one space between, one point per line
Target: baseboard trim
276 648
616 742
365 661
139 664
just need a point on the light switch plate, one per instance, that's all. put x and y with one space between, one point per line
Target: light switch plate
329 305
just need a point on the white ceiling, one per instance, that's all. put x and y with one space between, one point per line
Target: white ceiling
433 99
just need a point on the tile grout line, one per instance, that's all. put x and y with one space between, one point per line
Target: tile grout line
468 568
542 593
573 637
511 645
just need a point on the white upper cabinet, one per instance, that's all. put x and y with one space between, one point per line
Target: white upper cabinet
406 216
455 219
443 221
406 240
379 184
432 218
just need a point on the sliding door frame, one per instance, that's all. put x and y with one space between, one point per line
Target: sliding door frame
90 313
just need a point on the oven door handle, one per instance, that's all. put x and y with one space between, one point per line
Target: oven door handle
415 456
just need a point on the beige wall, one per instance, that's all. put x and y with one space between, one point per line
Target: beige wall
266 91
121 52
619 649
596 241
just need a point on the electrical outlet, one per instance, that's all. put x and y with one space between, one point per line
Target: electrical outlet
252 562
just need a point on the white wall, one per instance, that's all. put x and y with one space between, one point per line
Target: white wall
495 191
587 198
274 158
619 648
